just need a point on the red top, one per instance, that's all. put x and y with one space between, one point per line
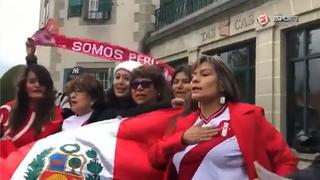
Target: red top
24 134
258 140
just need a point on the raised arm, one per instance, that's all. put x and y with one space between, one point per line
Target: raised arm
31 58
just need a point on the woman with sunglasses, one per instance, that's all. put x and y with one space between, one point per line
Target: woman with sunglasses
221 137
149 89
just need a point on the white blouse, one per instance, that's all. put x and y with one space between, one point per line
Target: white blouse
75 121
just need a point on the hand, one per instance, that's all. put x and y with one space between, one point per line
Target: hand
30 47
196 134
177 102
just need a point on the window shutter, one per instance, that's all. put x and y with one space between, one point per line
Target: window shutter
105 6
75 8
93 5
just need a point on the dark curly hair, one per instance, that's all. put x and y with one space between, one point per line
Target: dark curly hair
88 83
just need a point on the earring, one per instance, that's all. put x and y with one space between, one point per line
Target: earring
222 100
91 103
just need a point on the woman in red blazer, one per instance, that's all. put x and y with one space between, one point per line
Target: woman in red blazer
33 114
221 138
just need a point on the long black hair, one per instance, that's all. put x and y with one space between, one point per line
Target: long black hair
44 110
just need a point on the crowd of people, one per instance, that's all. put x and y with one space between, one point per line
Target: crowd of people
214 137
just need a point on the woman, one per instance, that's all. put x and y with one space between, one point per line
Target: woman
118 97
149 89
222 137
61 99
32 115
181 85
86 95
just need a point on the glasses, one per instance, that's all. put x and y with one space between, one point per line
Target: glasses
145 83
77 92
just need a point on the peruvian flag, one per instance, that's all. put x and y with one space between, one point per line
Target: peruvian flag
111 149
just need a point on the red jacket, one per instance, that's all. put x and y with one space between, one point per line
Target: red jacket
25 134
258 141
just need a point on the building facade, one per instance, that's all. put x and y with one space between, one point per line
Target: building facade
119 22
273 47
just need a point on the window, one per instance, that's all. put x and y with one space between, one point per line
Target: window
178 62
105 76
303 89
98 9
93 10
74 9
241 59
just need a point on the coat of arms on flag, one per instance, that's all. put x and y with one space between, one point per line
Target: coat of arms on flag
65 163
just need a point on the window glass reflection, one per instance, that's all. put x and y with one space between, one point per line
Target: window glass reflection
313 117
242 61
314 41
295 44
239 57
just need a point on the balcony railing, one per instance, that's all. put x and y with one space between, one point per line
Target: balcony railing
177 9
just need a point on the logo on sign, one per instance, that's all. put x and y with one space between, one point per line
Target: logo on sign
263 20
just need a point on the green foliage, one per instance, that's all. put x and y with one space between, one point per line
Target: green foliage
75 163
75 149
37 164
93 166
7 83
91 154
92 177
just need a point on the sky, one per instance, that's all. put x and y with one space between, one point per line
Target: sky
16 26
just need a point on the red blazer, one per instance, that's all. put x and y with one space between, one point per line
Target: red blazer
258 141
25 134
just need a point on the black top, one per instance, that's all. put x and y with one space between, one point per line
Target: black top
310 173
111 113
112 107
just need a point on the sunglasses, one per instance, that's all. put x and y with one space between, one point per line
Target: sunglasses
145 83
